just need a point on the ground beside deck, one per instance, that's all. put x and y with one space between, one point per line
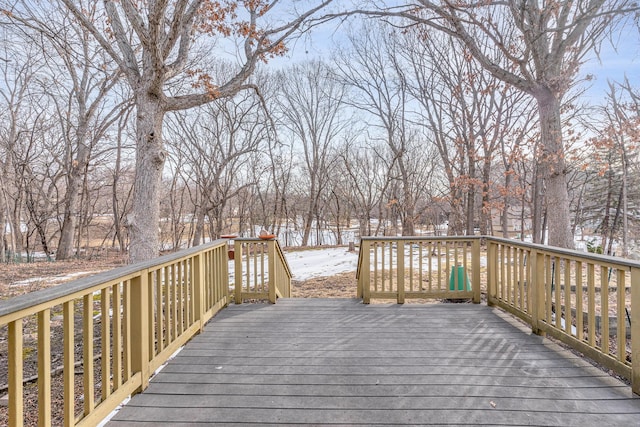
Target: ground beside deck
339 362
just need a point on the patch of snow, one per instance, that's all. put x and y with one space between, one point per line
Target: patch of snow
312 263
574 330
52 279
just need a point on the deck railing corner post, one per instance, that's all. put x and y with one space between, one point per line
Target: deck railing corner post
492 264
237 272
273 277
199 287
224 278
537 291
635 330
475 270
365 247
140 328
400 270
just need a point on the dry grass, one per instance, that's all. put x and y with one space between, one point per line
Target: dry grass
343 285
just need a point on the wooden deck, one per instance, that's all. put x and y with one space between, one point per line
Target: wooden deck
339 362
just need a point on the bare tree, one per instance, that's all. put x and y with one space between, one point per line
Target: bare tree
217 145
371 68
612 191
79 79
151 43
311 107
535 48
366 182
37 174
18 116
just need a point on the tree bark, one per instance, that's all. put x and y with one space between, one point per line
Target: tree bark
407 209
72 198
554 169
485 210
471 192
150 157
504 218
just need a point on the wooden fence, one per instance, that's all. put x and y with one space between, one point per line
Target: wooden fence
413 267
259 264
117 327
590 302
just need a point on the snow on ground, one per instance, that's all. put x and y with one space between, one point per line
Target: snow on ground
53 280
313 263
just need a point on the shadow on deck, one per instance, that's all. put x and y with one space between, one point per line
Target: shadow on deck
339 362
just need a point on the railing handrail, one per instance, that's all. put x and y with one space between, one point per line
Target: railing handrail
414 238
283 259
33 299
574 253
271 260
610 259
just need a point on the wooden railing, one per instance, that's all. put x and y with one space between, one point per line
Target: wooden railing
590 302
414 267
260 270
118 327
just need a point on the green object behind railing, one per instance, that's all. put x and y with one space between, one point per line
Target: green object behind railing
462 279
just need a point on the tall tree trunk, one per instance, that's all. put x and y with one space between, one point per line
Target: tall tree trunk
606 217
615 225
4 220
485 209
308 221
471 196
409 206
199 231
504 218
150 157
117 215
3 233
554 170
16 232
538 202
72 199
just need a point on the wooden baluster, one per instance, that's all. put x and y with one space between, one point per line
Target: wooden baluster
16 404
87 356
44 367
635 329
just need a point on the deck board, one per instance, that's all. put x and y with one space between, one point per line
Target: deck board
339 362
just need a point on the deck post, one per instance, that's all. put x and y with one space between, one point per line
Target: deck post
140 325
359 273
400 270
475 270
635 330
224 277
199 288
273 277
492 249
365 247
537 290
237 272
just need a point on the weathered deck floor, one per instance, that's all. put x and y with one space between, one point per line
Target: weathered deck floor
339 362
